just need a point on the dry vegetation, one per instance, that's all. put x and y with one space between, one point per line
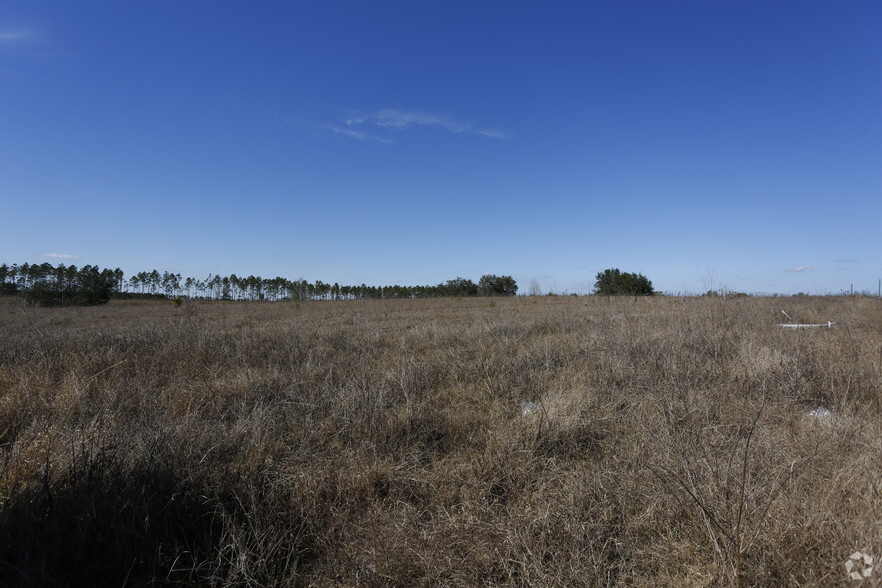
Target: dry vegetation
381 443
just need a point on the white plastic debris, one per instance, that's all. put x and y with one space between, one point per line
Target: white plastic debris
821 413
859 565
528 408
791 325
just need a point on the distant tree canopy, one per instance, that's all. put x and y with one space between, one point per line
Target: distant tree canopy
491 285
45 285
614 282
460 287
8 284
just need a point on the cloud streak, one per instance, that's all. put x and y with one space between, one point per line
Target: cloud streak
402 119
800 268
390 119
492 133
14 37
356 134
387 125
60 256
345 131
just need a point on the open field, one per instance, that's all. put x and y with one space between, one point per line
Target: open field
382 443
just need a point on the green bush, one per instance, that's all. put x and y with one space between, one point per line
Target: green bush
614 282
490 285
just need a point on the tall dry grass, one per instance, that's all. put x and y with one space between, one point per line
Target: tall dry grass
382 443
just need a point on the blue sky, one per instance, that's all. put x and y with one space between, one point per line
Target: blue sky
701 143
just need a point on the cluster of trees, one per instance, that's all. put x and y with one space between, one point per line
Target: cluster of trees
47 285
614 282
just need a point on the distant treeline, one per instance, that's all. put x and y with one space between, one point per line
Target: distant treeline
48 285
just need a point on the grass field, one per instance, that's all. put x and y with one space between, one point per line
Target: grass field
382 443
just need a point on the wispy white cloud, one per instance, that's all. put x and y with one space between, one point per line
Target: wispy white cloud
60 256
493 133
384 126
355 134
400 120
846 260
800 268
15 36
349 131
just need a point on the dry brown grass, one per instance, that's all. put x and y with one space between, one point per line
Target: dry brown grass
381 443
